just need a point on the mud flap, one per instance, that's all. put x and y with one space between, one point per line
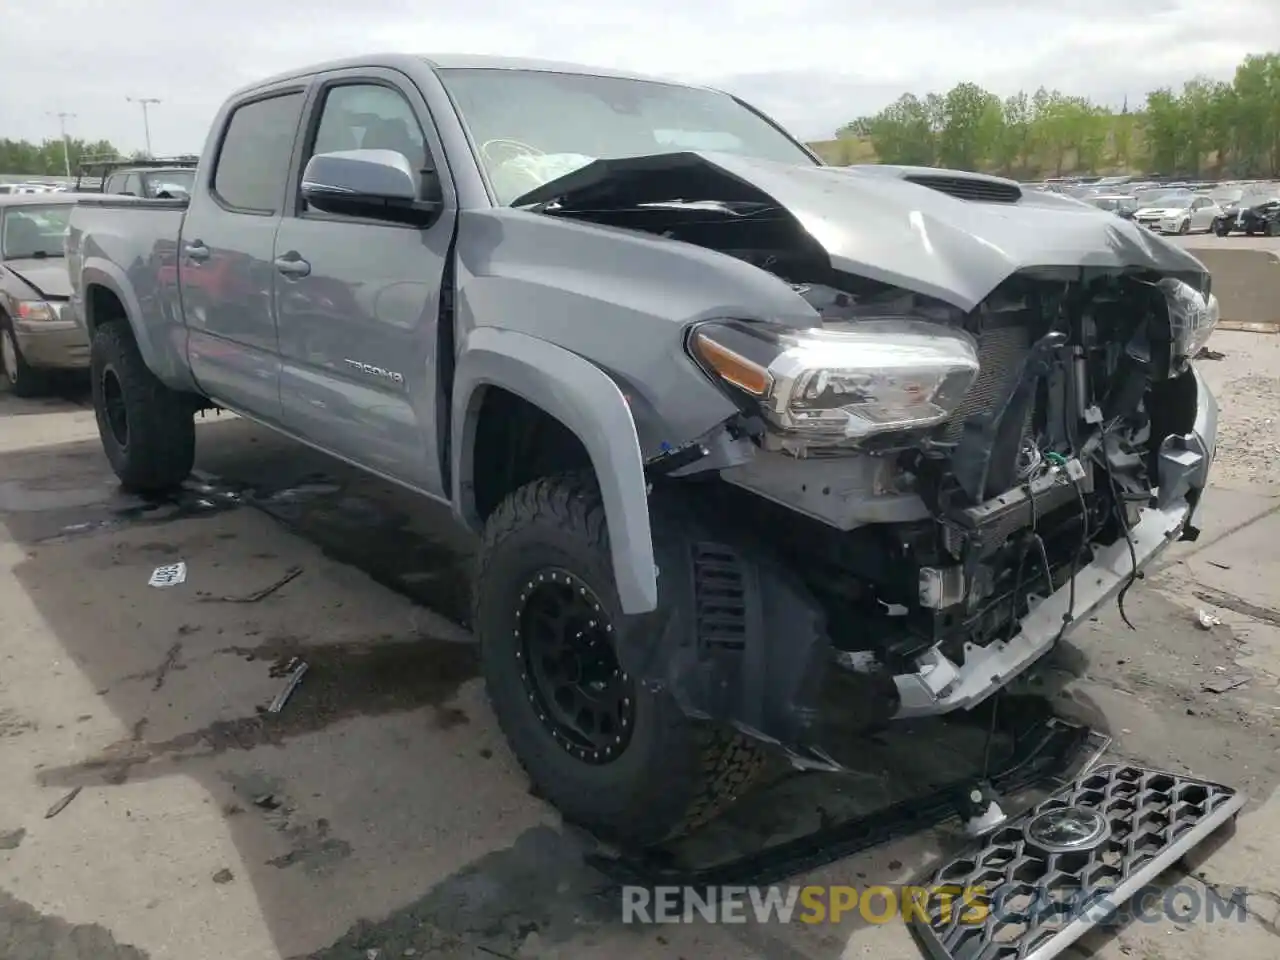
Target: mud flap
1032 887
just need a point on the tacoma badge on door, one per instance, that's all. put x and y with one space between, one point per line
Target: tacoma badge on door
371 370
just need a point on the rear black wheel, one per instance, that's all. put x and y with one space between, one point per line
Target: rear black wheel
1221 229
22 379
147 430
1184 227
612 755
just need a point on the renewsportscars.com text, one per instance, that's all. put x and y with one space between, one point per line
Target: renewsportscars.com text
883 904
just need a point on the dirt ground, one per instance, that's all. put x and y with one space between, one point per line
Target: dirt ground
379 815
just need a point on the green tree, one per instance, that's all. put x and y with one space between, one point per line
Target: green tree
24 158
1207 125
971 126
1164 127
903 132
1257 114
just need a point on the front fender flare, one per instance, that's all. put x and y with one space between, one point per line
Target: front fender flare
588 402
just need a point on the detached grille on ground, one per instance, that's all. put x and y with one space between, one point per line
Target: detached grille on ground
1034 886
964 188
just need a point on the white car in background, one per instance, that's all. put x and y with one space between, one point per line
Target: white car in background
1180 214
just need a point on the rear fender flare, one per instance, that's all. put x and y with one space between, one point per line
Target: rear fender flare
588 402
163 358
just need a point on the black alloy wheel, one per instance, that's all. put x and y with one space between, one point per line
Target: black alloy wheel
569 669
114 411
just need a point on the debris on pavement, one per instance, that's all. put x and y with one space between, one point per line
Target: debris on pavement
1219 564
223 876
291 574
61 805
1223 684
1207 354
290 685
1206 620
267 801
169 575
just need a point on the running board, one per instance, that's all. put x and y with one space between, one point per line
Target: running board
1050 752
1035 885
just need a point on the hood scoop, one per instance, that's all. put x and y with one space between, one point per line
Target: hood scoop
969 188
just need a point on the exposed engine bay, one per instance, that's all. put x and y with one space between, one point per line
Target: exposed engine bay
952 466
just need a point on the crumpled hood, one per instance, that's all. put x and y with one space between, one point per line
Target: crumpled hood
46 276
876 224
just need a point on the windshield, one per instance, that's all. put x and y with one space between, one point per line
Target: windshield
35 231
1163 198
175 184
532 126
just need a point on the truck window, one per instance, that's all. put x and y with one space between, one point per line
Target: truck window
369 116
253 162
132 185
114 183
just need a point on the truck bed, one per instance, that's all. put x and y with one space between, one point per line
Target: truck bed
130 246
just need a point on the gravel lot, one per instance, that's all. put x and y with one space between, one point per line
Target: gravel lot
380 810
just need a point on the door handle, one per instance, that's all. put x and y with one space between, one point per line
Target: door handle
292 265
197 251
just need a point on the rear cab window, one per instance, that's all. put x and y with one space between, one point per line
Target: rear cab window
252 170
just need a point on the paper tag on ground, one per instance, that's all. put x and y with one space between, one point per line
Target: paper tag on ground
170 575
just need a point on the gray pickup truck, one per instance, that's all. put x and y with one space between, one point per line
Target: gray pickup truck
761 454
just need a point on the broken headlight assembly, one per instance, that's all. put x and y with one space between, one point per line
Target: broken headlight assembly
1192 316
843 382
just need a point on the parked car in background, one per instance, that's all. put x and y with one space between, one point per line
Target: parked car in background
1253 213
1121 205
37 333
1179 213
1263 217
157 179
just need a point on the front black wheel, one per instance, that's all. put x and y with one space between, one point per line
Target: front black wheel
1184 228
22 379
612 755
1221 229
147 430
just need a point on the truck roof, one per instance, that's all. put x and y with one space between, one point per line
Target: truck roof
451 61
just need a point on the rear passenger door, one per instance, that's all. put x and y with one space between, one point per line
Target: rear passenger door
357 299
225 272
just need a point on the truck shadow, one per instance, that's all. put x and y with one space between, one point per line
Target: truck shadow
393 779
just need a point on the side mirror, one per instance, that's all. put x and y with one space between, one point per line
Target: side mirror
380 184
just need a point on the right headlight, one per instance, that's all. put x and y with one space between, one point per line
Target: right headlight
860 379
1193 314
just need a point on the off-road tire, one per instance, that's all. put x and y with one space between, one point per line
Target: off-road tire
23 380
160 445
1273 228
675 774
1222 230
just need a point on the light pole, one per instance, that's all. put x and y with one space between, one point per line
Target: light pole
66 144
145 102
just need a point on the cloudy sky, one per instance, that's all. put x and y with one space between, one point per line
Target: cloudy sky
813 64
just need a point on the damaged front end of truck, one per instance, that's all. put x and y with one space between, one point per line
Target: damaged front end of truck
989 429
